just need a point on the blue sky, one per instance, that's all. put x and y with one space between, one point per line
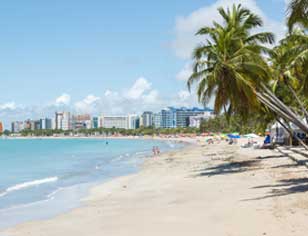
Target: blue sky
103 56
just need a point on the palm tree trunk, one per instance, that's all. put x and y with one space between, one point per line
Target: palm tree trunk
272 102
272 107
281 112
299 102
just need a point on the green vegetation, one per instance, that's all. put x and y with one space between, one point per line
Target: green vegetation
112 131
298 13
248 81
234 124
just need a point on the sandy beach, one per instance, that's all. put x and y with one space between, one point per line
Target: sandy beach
217 190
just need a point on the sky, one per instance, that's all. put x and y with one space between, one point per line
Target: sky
110 57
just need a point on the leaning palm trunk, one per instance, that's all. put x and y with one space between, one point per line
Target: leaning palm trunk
269 99
299 102
281 110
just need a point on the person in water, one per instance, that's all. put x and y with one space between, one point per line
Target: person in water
157 150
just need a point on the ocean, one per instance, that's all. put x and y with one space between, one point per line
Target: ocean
40 178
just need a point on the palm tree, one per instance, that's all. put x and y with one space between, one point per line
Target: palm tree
286 70
230 67
298 13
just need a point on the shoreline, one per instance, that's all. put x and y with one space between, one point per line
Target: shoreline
189 140
83 194
214 189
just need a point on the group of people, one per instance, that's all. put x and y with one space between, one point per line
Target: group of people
155 150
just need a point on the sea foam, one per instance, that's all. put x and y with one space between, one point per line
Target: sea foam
28 184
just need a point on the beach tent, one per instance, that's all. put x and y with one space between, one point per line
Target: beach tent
279 134
251 136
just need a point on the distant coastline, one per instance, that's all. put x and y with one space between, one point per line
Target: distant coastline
188 140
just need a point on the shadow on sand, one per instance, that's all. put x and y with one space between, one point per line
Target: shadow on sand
229 168
284 187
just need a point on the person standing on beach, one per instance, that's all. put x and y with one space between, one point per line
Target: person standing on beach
154 150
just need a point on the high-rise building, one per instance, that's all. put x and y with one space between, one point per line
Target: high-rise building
179 117
17 126
63 120
120 122
147 119
27 124
168 118
95 122
36 125
133 122
53 123
48 123
81 121
1 127
43 123
157 120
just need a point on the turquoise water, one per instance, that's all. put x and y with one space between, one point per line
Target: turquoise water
53 174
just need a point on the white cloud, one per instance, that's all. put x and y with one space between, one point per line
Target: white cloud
151 97
88 104
139 88
183 95
64 99
186 26
8 106
142 98
185 73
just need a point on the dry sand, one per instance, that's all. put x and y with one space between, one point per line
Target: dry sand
215 190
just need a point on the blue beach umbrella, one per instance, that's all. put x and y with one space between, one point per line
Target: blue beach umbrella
234 136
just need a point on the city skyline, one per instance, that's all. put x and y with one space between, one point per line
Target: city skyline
170 117
59 57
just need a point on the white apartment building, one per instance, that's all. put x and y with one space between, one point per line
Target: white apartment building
157 120
147 119
195 121
132 121
120 122
63 121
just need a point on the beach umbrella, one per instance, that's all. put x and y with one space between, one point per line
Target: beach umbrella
233 136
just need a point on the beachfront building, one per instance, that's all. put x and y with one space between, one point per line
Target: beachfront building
53 124
63 121
95 122
17 126
133 121
36 125
120 122
168 118
42 123
1 127
195 121
81 121
48 123
27 124
180 117
157 120
147 119
45 123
